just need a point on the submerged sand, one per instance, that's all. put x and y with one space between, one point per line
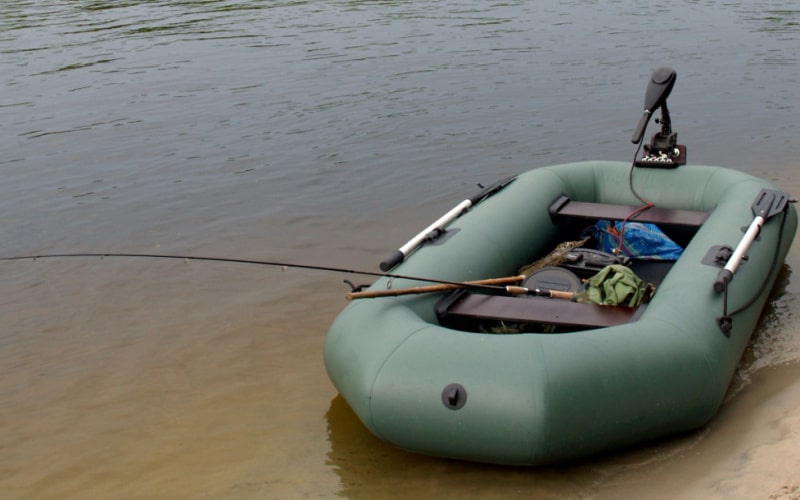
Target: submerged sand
173 380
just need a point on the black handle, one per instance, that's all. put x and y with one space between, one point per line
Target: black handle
723 278
392 260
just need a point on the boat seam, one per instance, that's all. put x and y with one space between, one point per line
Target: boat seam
380 369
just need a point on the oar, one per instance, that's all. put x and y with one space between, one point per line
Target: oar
431 288
435 229
767 204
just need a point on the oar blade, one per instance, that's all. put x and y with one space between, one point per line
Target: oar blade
769 202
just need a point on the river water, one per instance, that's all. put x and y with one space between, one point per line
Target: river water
326 132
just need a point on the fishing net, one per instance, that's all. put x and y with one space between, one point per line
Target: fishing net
557 257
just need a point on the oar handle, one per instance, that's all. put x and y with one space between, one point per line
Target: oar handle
369 294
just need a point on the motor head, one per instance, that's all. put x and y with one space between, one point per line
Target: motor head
658 89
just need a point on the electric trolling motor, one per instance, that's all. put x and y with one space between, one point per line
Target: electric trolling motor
663 150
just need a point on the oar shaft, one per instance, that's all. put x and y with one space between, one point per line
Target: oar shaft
437 227
432 288
744 244
726 274
400 254
768 203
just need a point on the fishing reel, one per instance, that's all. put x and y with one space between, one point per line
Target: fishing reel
663 150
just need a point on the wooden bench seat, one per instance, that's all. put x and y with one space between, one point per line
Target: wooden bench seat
474 312
563 206
475 308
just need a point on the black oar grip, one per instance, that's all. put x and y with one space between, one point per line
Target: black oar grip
723 278
392 260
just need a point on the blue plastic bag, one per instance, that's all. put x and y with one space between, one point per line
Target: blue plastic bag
640 240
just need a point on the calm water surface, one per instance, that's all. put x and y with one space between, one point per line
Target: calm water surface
322 132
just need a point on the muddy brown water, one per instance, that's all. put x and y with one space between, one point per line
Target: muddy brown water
329 133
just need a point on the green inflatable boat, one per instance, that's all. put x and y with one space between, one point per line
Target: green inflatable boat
531 372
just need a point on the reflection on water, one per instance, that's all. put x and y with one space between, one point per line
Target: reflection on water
370 468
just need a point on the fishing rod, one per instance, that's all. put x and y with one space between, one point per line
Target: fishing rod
283 265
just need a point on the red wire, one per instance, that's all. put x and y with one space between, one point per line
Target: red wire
649 204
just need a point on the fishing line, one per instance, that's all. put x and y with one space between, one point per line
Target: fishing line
284 265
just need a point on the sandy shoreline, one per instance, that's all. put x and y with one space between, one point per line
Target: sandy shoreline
734 457
771 469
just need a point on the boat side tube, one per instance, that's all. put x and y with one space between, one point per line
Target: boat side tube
541 398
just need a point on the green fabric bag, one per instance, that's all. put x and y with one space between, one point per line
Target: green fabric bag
617 285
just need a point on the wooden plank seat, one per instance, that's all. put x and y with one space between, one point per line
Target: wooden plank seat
469 311
475 308
563 206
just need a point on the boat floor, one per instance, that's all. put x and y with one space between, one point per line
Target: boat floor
469 311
